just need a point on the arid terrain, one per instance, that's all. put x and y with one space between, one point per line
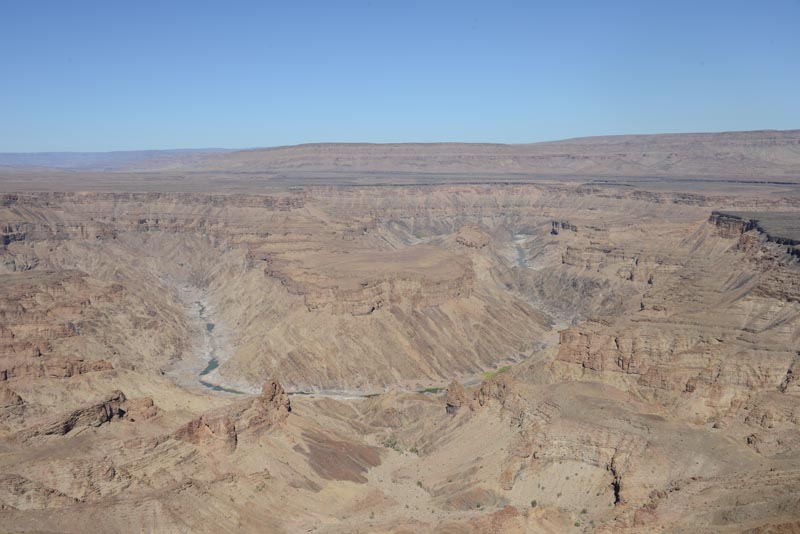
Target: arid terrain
594 335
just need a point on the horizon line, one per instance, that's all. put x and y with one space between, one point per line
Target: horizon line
372 143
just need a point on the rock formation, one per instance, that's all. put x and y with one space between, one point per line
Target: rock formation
456 397
210 432
271 407
89 415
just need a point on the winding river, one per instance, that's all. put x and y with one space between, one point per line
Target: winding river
213 344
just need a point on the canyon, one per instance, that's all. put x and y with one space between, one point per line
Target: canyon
594 335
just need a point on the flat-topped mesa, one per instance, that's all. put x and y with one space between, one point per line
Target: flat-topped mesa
782 228
730 225
779 227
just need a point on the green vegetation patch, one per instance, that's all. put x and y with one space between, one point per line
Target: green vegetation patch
488 375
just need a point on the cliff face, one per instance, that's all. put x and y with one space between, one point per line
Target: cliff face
716 332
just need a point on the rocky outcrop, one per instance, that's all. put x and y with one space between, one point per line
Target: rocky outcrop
455 398
141 408
494 389
372 295
472 237
729 225
555 226
274 398
89 415
212 432
51 368
269 408
219 430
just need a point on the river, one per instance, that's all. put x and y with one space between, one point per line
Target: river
213 347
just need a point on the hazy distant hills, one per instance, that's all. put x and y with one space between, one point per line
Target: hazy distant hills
102 161
757 154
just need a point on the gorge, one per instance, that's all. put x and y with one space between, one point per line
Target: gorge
596 335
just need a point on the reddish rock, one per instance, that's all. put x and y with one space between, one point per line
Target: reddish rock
274 397
207 431
271 407
140 409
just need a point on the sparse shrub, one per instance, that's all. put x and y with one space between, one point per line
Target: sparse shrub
533 503
391 443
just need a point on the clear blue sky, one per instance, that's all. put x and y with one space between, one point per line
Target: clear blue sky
120 75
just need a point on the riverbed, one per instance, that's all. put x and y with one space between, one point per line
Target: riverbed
210 346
